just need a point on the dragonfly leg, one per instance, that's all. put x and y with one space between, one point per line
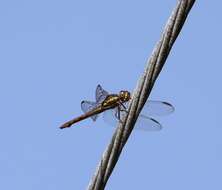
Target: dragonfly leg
124 110
118 111
117 114
123 107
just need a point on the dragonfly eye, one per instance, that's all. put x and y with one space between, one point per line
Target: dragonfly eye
124 95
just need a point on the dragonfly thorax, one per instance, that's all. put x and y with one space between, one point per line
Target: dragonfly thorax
124 95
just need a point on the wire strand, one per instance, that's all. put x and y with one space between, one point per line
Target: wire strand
140 94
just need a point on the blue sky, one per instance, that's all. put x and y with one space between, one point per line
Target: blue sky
54 53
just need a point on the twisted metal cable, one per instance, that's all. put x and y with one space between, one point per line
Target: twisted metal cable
140 94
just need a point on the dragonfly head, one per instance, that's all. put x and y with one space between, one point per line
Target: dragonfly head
124 96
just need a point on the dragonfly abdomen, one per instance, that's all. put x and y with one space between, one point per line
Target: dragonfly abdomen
82 117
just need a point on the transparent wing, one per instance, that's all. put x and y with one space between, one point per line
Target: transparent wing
143 122
101 94
87 106
157 108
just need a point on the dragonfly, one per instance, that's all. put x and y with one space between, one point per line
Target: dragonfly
114 106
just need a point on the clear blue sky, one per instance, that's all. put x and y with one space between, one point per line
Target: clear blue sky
52 56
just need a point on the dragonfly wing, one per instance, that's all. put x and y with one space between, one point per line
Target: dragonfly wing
147 124
87 106
109 116
101 94
157 108
143 122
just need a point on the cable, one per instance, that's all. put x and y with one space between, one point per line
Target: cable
140 94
